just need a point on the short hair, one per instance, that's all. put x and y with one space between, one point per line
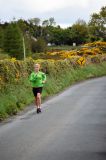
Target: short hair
37 64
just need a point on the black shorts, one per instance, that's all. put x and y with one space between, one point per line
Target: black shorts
37 90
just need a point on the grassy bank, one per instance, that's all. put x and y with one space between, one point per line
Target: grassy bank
16 96
63 47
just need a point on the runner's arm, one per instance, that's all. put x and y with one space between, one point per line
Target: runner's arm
43 77
32 77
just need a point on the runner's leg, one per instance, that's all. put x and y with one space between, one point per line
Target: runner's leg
39 99
36 103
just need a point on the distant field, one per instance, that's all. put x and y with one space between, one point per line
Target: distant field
63 47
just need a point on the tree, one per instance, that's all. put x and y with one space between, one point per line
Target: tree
45 23
34 21
23 25
79 32
38 46
67 36
97 25
49 22
56 36
1 37
52 21
13 43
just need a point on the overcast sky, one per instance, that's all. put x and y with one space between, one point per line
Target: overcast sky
65 12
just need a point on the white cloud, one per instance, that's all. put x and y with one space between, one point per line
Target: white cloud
63 10
46 5
41 5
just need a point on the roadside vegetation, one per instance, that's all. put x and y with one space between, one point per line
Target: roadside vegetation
63 69
66 56
36 36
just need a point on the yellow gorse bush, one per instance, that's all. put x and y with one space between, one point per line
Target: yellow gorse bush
12 70
94 48
96 44
13 59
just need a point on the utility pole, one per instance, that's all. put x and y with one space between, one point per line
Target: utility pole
24 48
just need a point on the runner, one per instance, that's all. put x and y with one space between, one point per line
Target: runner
37 78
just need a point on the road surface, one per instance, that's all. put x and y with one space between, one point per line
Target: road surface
72 126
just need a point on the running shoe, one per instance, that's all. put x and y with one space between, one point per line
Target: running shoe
38 110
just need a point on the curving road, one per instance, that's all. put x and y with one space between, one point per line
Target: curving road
71 127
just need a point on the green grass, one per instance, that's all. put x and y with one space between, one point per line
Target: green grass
69 77
63 47
16 97
4 56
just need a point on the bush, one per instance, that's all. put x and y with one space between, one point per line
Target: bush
4 56
39 45
95 59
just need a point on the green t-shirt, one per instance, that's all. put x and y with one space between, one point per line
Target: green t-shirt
37 78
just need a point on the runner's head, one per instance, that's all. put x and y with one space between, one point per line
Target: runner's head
36 67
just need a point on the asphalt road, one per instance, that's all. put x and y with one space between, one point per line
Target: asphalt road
72 126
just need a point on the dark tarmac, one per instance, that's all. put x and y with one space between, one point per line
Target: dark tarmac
72 126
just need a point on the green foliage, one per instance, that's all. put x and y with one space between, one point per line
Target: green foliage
16 91
11 34
14 98
62 47
13 43
34 21
79 32
56 35
39 45
49 22
97 26
36 56
95 59
4 56
1 37
23 25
